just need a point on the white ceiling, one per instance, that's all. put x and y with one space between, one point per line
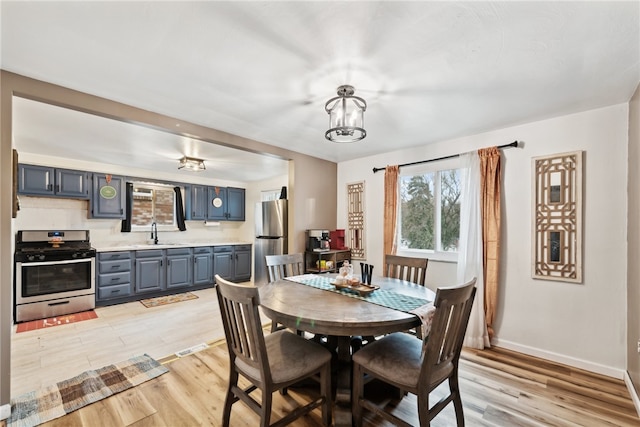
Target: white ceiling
429 71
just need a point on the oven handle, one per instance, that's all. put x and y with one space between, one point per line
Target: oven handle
67 261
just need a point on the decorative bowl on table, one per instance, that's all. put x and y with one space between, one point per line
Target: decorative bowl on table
356 286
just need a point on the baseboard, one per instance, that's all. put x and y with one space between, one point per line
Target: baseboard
5 412
560 358
632 391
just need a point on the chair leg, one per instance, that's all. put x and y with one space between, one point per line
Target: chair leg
454 388
229 399
325 391
265 417
357 391
424 417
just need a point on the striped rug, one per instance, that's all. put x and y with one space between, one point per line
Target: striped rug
40 406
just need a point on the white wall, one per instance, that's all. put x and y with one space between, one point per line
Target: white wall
579 324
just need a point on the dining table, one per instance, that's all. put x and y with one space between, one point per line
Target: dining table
312 303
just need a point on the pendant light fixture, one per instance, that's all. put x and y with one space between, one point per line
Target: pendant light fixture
346 116
191 163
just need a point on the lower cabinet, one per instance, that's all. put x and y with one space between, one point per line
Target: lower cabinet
179 268
123 276
232 262
150 274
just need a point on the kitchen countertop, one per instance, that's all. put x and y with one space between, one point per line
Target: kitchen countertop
115 246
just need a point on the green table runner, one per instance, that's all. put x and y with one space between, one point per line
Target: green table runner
381 297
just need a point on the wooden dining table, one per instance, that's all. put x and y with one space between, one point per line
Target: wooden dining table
318 311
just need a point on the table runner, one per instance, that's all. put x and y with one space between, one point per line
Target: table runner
381 297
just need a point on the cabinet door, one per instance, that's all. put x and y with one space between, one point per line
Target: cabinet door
71 183
217 203
108 198
149 274
202 269
179 271
35 180
198 202
242 267
223 265
235 204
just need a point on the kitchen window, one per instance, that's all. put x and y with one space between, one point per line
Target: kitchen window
429 213
153 203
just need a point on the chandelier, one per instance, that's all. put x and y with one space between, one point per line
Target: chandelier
346 116
191 163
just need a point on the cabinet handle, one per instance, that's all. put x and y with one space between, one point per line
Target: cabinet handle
49 187
114 279
57 188
115 291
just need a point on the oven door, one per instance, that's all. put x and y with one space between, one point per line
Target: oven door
42 281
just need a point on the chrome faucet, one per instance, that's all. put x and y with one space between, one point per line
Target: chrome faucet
154 232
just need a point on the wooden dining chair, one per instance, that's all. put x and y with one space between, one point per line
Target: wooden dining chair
401 360
269 362
406 268
281 266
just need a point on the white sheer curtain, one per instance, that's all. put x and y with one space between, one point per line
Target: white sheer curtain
470 250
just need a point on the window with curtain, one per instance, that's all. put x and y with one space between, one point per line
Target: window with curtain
429 212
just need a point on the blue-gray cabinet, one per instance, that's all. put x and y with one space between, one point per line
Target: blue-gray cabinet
179 267
232 262
53 182
113 278
235 204
108 196
202 265
242 263
216 203
223 262
150 273
199 194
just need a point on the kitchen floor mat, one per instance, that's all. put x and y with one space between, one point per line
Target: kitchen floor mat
56 321
169 299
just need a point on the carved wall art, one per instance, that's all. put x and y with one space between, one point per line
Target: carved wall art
355 194
557 217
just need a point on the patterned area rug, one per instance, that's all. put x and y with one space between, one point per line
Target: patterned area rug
56 321
169 299
37 407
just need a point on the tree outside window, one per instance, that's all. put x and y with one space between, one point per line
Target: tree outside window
422 225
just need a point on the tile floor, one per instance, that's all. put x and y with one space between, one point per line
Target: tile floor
45 356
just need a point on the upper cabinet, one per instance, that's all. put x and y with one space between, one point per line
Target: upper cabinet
217 203
53 182
108 196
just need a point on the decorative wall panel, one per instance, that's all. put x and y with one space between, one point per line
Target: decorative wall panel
355 193
557 217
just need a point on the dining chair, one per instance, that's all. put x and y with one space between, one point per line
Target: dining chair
281 266
417 366
406 268
269 362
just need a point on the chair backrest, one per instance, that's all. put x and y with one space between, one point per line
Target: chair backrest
444 343
242 326
406 268
281 266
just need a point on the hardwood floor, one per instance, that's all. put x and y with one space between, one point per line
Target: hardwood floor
498 387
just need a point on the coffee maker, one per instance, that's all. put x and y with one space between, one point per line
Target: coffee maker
317 240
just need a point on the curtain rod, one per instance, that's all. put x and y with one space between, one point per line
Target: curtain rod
514 144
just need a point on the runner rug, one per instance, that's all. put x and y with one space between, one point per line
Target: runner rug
46 404
56 321
169 299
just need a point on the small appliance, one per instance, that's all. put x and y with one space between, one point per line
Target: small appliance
337 240
317 240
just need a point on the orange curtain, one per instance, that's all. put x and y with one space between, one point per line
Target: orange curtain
490 208
391 174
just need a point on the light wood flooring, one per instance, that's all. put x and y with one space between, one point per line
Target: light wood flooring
498 387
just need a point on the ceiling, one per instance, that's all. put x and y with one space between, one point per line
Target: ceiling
429 71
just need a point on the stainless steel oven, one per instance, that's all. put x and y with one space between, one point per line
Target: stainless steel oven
54 273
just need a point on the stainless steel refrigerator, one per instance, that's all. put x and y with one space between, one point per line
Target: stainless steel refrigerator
271 235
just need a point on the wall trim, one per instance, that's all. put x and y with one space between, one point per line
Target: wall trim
5 412
560 358
632 391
